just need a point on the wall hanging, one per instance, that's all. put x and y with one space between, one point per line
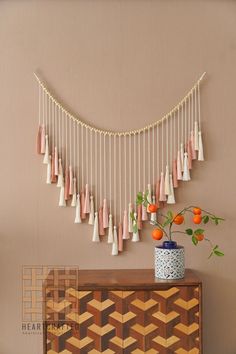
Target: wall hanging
99 172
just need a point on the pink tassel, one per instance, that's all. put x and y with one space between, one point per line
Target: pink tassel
125 235
42 140
53 176
56 161
105 214
86 200
157 193
139 217
162 196
82 201
193 151
120 238
100 220
189 151
38 146
179 167
71 181
175 180
67 184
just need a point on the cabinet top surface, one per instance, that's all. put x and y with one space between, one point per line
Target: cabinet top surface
115 279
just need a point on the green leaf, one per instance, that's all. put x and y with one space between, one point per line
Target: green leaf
219 253
194 241
205 219
216 221
166 222
139 198
211 254
215 247
189 232
169 214
198 232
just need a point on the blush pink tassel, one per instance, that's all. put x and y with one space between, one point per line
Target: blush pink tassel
175 180
82 201
193 151
86 200
179 167
157 192
53 176
67 184
139 217
162 196
120 238
189 151
73 202
125 235
56 161
42 140
38 145
100 220
105 214
71 181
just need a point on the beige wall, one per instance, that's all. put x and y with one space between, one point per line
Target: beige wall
119 64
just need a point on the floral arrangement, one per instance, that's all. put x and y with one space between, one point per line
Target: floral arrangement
164 223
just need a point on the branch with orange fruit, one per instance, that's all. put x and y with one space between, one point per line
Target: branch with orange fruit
164 227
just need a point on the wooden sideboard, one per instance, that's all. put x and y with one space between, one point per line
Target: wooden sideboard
121 311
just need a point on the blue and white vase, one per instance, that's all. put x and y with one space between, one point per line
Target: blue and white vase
169 261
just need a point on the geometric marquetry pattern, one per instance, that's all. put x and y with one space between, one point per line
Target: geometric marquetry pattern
114 322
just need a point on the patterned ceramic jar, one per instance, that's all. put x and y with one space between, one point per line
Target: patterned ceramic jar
169 261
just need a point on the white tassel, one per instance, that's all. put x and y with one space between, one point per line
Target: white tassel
110 230
46 155
149 196
130 222
91 214
186 174
182 156
200 147
77 210
60 179
62 202
135 237
153 215
167 181
171 196
196 146
95 229
114 251
48 181
73 201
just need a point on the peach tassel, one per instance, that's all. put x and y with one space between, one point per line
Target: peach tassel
105 214
162 196
179 167
67 184
38 145
86 200
139 216
175 180
53 176
71 181
82 200
193 151
100 220
189 151
43 142
125 226
120 238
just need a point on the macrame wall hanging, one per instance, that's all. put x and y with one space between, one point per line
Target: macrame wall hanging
99 172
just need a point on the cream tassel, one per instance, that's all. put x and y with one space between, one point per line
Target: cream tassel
135 237
95 229
167 181
182 156
60 175
62 202
77 210
114 251
86 200
196 147
73 201
149 196
125 226
130 223
46 155
91 214
110 230
162 196
153 215
56 162
48 181
171 196
186 174
200 147
105 214
179 167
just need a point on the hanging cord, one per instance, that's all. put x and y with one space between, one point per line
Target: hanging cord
78 157
192 118
91 161
162 147
153 156
135 173
133 132
110 167
66 150
171 142
74 146
48 121
43 109
70 132
130 176
139 163
195 105
199 105
100 169
59 132
158 153
149 157
167 139
105 166
62 137
120 178
96 172
178 129
185 124
174 133
86 154
182 124
82 156
56 125
40 98
125 172
115 219
189 117
144 161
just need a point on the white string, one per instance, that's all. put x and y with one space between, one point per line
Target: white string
70 132
43 102
144 161
59 132
56 124
82 156
74 146
53 125
48 121
195 105
199 105
110 161
100 168
149 157
185 122
189 117
87 154
130 184
182 124
66 149
77 145
162 147
174 128
192 119
139 163
39 104
114 179
158 153
167 140
153 156
91 160
96 172
135 172
105 167
125 172
178 129
120 176
171 137
62 136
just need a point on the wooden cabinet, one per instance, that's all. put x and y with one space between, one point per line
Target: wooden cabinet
122 311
